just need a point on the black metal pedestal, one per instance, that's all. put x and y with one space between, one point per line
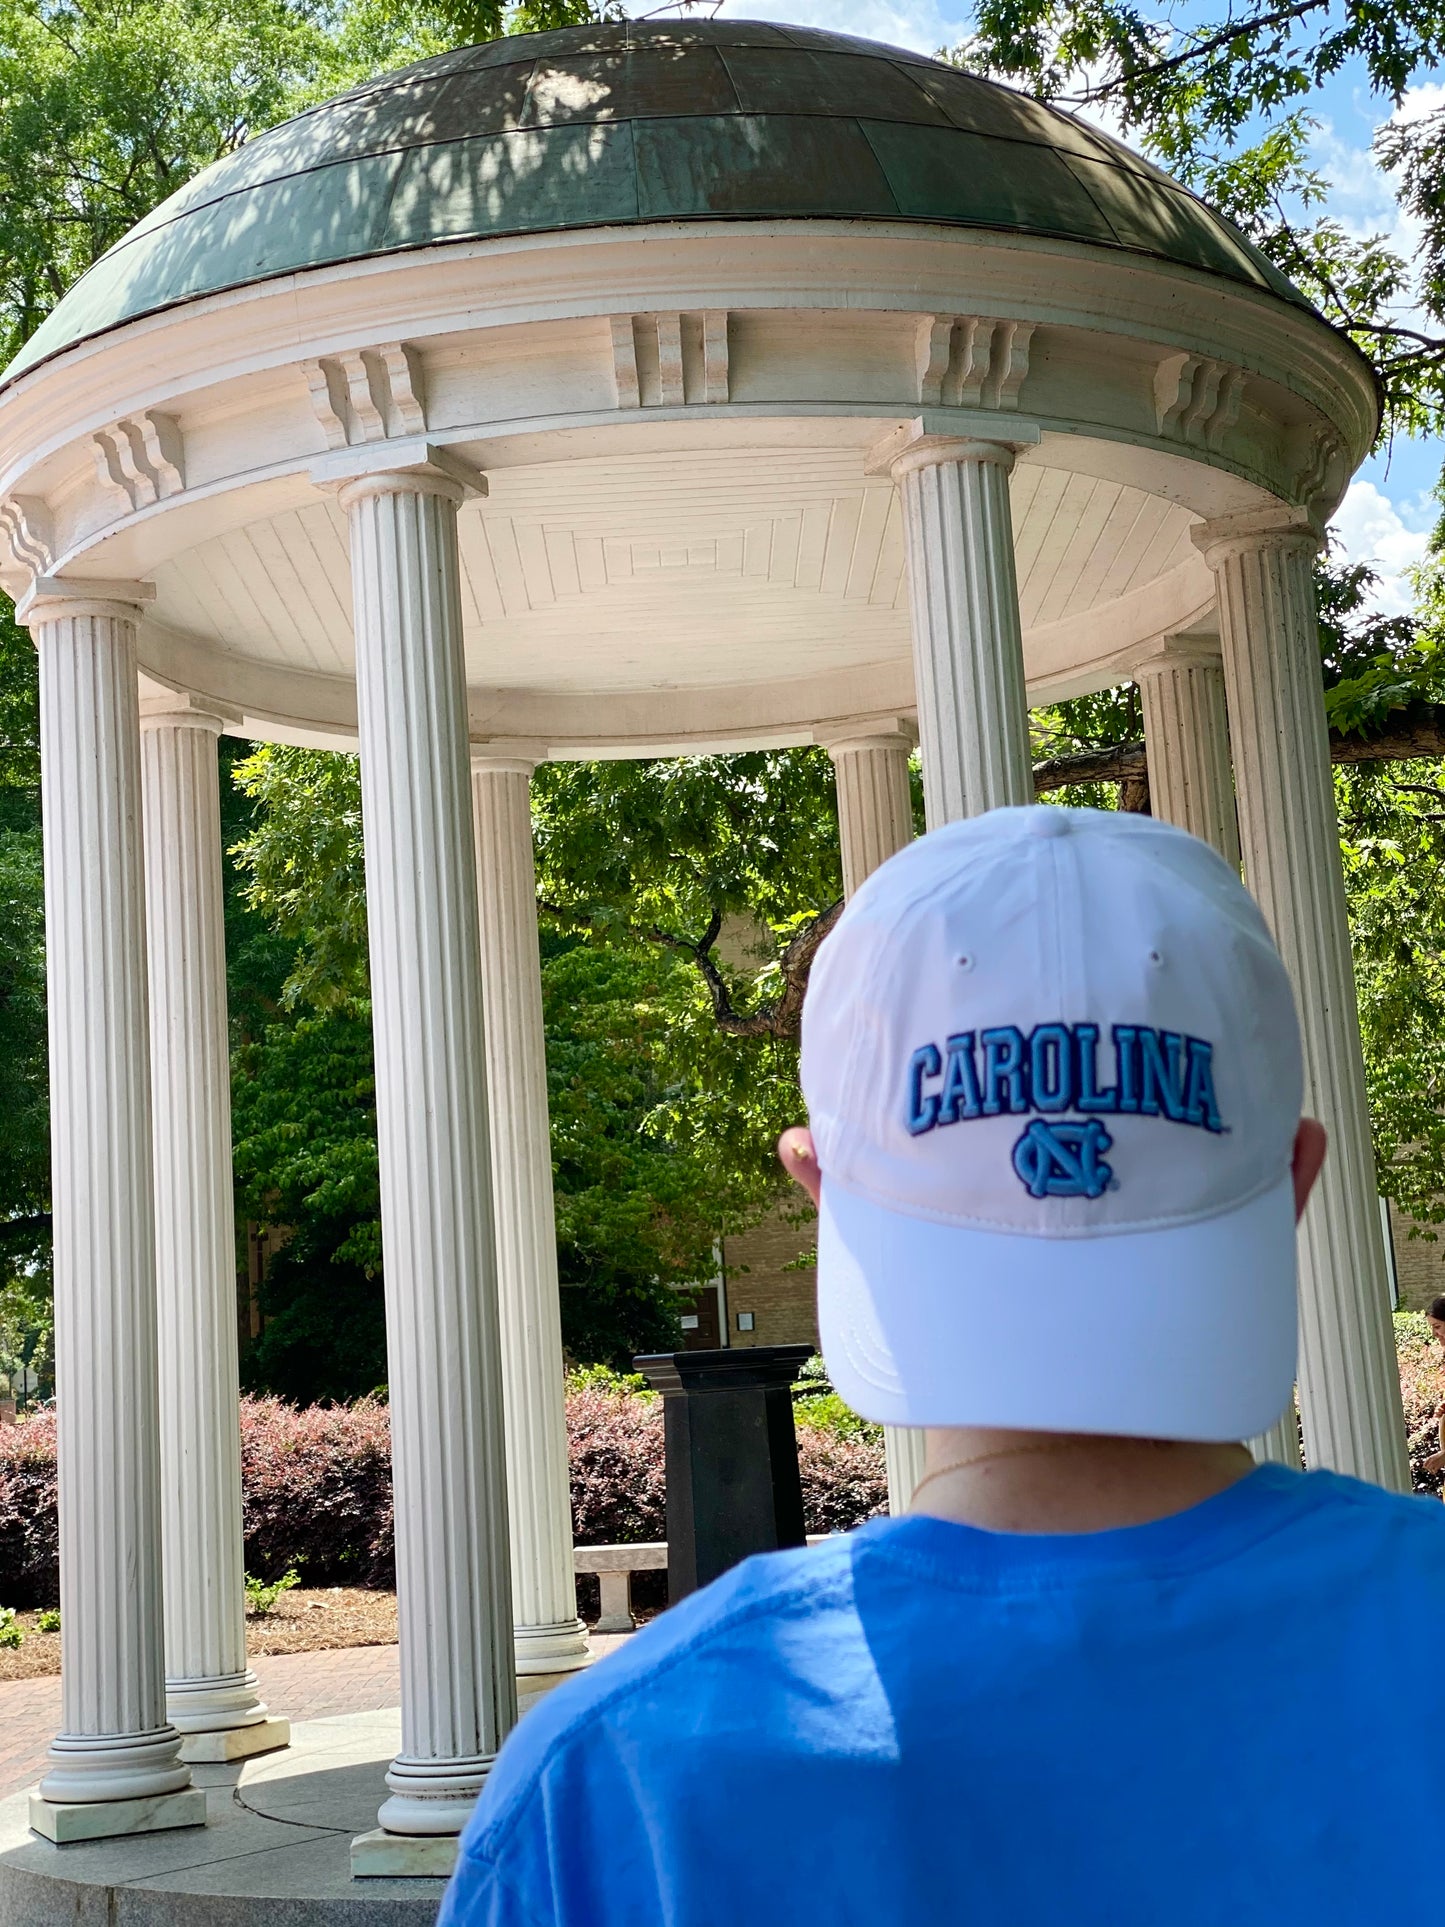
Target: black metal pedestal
732 1457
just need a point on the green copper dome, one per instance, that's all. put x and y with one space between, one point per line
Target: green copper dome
644 121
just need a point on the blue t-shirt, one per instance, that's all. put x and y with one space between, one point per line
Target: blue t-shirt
1234 1717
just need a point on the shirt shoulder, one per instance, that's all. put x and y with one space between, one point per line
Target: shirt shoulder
768 1586
638 1681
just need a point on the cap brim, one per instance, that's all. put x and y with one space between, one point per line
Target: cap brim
1182 1333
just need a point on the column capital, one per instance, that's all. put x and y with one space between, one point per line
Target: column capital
50 598
178 709
412 467
951 435
521 754
848 739
1189 649
1279 527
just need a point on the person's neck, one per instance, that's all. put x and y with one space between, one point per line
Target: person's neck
1067 1482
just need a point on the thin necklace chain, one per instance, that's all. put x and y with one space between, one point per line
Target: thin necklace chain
984 1458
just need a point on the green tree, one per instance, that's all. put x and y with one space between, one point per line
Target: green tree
663 1119
1392 824
25 1318
1223 100
108 106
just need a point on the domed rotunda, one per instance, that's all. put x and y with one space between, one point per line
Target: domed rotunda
643 389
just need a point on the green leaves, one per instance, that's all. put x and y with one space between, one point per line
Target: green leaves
662 1124
108 106
1223 101
1393 842
302 861
663 845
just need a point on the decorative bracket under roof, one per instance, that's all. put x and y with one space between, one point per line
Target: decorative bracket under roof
1196 400
1320 466
141 458
670 360
29 534
971 361
368 394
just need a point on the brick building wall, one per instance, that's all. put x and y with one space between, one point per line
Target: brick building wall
782 1303
1419 1263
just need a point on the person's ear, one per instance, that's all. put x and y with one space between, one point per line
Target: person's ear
799 1159
1311 1141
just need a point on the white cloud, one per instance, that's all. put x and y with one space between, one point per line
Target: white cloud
1391 536
923 25
1360 194
1426 98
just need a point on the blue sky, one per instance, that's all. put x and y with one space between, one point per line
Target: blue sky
1389 510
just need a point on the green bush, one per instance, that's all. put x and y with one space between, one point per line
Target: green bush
826 1412
48 1621
818 1408
602 1378
261 1597
10 1633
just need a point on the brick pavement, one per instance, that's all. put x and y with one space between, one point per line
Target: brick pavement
300 1686
29 1714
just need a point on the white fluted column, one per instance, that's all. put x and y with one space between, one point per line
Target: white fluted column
875 820
1191 783
1186 738
1349 1383
116 1745
458 1689
875 807
968 659
968 670
211 1693
550 1638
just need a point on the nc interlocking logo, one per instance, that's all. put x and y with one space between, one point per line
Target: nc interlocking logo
1064 1160
1059 1068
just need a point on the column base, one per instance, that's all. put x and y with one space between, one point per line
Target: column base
235 1742
431 1797
380 1855
65 1821
84 1769
210 1705
561 1648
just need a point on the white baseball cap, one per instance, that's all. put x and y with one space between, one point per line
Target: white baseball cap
1052 1069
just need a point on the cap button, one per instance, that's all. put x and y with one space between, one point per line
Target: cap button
1049 820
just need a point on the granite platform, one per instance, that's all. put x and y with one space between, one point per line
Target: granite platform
276 1849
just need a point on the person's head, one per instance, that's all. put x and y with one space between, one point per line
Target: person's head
1051 1059
1436 1317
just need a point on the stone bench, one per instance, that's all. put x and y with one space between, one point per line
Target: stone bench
614 1567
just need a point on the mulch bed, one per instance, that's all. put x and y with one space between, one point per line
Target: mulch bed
302 1621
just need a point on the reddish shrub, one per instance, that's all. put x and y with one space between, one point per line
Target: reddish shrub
845 1481
619 1486
1422 1390
29 1523
316 1489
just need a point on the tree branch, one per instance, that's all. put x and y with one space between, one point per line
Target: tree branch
1119 763
784 1016
1199 50
1417 730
